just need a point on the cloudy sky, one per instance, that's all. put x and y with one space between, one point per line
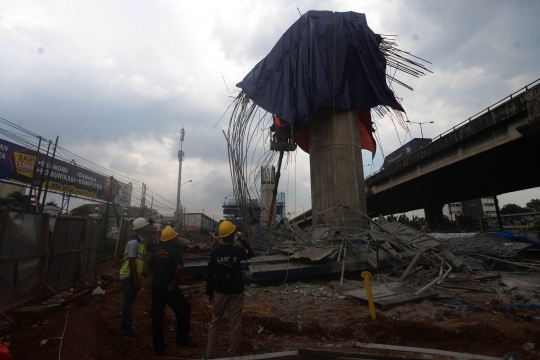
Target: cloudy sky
117 80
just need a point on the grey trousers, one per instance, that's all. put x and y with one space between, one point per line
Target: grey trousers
221 301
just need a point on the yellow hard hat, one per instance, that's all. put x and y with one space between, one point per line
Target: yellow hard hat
168 234
226 228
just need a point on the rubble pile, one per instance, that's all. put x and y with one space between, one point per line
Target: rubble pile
409 265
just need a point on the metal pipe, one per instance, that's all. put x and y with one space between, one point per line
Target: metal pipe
343 266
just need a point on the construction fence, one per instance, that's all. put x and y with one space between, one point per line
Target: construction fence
33 257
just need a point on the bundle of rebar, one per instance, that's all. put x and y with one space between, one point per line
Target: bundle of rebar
479 245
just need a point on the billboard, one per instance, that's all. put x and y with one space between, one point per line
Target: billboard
17 165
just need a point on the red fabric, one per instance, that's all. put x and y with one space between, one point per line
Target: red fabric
366 131
301 137
4 352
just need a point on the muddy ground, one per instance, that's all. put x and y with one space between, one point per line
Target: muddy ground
302 313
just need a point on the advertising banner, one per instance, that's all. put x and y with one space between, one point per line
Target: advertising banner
17 165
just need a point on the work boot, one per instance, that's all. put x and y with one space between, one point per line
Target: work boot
188 343
160 352
128 332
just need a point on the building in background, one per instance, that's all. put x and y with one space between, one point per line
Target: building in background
477 208
231 211
280 205
198 226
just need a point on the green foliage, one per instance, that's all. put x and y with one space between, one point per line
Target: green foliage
416 222
116 215
467 223
512 209
18 196
533 205
83 211
107 247
106 228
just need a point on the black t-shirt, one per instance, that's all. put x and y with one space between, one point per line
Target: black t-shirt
164 262
228 256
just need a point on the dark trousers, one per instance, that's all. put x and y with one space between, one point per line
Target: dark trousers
181 308
130 295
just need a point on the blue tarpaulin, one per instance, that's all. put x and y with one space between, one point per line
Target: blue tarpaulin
323 54
508 236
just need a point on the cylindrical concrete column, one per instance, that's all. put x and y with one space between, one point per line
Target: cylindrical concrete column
337 173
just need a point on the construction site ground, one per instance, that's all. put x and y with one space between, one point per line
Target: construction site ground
303 313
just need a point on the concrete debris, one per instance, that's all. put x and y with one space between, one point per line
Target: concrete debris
393 294
55 300
98 291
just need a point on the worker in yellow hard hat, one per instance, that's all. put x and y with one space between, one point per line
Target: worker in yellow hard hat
166 266
225 286
130 273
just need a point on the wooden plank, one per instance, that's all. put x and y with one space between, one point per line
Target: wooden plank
411 265
407 349
29 312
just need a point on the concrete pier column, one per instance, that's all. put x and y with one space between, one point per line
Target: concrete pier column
434 217
337 173
268 178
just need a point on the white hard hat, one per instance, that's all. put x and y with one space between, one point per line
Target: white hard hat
139 223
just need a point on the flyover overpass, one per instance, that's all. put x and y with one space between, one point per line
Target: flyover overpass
494 152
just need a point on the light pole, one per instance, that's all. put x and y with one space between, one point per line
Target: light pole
420 123
180 159
179 208
303 206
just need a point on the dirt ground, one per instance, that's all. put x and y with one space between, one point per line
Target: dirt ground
303 313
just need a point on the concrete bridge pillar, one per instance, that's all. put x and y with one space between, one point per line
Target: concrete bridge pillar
434 217
337 172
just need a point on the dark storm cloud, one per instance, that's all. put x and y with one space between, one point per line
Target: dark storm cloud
117 80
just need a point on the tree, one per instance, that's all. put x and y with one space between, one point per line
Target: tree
391 218
83 210
18 196
51 203
467 223
512 209
417 222
116 215
404 219
533 205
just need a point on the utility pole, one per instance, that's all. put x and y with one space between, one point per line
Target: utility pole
29 201
180 159
143 199
151 206
42 178
49 174
106 221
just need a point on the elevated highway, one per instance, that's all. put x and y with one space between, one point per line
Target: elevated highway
496 151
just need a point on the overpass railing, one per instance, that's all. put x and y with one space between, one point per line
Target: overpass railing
489 108
467 121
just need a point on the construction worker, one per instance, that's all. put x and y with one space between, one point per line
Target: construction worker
166 266
225 286
130 273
